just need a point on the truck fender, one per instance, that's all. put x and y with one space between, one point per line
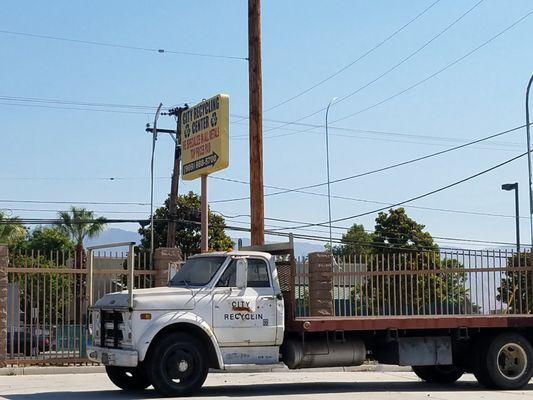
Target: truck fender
177 318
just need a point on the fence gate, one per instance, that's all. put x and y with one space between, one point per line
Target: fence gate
49 293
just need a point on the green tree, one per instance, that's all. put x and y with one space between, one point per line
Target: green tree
355 241
48 242
395 231
188 234
12 232
50 293
47 239
406 273
516 287
79 224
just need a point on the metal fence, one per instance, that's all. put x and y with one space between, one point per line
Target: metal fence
418 283
48 298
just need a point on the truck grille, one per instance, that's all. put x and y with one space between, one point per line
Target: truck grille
111 328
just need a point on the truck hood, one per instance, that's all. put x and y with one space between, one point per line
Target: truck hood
159 298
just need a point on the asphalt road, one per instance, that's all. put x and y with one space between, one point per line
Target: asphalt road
290 385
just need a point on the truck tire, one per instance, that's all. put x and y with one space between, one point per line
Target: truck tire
126 378
504 361
177 365
442 374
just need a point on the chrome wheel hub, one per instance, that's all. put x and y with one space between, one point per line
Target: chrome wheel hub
512 361
183 366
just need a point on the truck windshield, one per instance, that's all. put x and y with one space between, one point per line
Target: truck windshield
197 271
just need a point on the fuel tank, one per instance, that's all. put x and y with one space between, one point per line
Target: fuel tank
319 352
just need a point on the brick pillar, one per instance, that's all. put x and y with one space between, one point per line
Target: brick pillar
320 284
164 258
3 304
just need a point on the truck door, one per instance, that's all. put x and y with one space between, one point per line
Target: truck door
245 317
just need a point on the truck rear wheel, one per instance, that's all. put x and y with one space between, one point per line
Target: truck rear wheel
177 365
504 362
443 374
126 378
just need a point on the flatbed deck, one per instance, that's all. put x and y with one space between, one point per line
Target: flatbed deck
367 323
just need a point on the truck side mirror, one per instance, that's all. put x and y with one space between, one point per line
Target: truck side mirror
241 275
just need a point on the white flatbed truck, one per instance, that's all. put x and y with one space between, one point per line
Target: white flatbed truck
223 310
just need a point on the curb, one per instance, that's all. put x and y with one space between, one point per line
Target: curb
83 369
98 369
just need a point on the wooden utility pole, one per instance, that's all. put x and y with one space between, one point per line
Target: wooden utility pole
255 76
173 201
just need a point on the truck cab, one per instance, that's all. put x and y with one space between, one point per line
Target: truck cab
220 309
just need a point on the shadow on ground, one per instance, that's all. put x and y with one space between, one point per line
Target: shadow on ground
276 389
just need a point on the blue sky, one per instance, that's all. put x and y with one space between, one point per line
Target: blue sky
59 154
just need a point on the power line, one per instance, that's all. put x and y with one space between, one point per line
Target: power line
147 113
388 71
447 238
111 220
56 211
447 210
374 132
74 102
419 196
381 169
120 46
75 202
439 71
82 106
353 62
76 108
424 143
141 212
35 221
420 82
303 188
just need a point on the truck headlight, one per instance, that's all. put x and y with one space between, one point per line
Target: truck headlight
94 327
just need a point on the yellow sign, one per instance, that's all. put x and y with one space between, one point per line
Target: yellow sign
205 137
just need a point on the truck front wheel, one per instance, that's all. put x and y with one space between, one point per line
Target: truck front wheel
442 374
504 361
129 379
177 366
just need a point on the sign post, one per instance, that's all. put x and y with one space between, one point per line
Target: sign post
205 147
204 210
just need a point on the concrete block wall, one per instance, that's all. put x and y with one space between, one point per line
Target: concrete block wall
320 284
164 258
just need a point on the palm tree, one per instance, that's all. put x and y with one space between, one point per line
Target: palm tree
80 224
11 230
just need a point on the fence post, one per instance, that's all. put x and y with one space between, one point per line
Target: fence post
131 276
164 257
90 276
4 259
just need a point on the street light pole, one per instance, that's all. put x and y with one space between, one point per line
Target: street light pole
529 163
517 213
327 170
514 186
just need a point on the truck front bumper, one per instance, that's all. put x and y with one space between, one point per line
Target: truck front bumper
115 357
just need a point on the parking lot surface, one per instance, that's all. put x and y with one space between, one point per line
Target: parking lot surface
290 385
